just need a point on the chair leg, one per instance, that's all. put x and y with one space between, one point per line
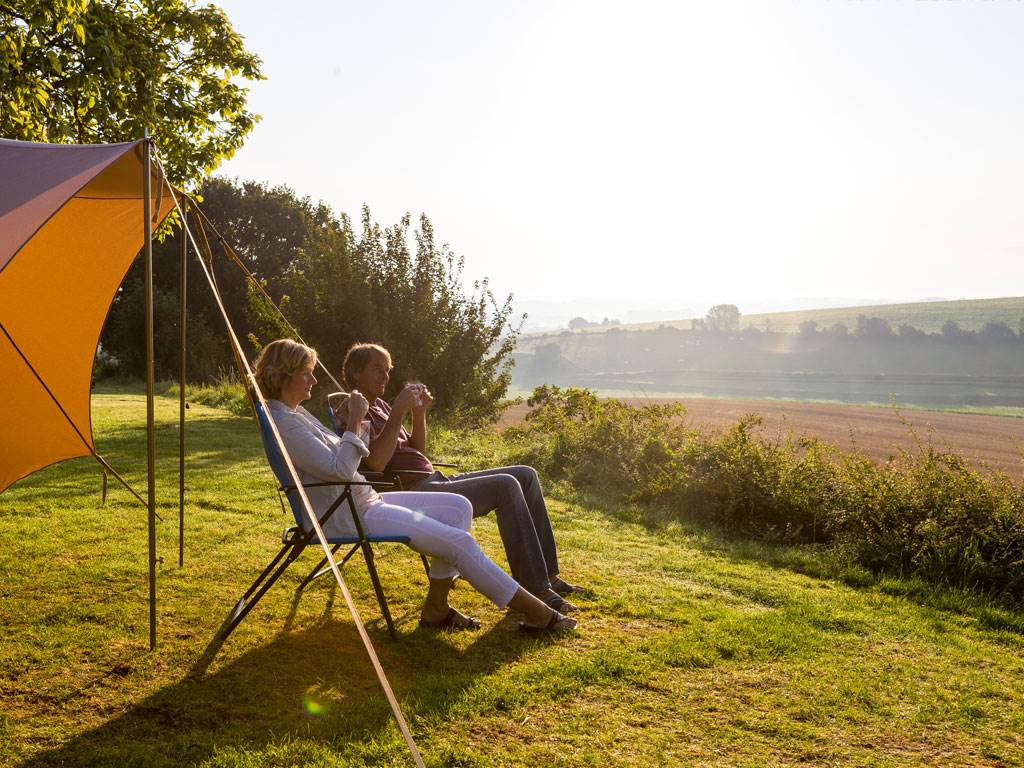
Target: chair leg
368 556
327 569
245 604
273 564
348 555
316 572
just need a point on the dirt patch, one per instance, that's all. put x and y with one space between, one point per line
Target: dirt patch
993 441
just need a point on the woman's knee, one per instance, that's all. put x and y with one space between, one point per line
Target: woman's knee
463 509
458 511
462 503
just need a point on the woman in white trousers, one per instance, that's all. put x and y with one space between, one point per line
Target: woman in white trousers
437 524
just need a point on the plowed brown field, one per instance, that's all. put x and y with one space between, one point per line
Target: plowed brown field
996 442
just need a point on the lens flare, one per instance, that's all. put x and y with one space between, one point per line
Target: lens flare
312 707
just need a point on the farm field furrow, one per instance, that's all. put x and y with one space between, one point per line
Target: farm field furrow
993 441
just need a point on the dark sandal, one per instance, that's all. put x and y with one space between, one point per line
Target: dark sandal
559 603
452 621
564 588
551 626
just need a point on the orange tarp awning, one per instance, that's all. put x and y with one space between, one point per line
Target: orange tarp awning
71 223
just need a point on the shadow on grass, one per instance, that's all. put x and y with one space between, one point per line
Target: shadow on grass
315 683
310 681
212 446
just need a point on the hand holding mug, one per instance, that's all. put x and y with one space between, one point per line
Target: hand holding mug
423 399
406 400
341 410
357 408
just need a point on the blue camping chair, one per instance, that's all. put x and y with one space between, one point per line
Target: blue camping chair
295 538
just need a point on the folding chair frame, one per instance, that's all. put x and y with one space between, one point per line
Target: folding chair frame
322 569
295 540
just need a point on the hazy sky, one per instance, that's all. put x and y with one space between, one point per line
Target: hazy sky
694 151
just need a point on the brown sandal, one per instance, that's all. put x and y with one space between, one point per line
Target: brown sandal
452 620
555 624
564 588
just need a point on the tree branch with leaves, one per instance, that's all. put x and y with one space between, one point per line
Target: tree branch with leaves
90 71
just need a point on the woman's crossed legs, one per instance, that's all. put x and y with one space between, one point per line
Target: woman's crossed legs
437 525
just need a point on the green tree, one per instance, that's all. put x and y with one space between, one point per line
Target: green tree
808 329
723 317
838 330
91 71
397 287
337 285
873 328
951 331
997 333
908 332
268 228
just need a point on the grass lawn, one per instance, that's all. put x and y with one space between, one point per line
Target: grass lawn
694 649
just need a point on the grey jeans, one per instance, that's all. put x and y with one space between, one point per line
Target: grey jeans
515 494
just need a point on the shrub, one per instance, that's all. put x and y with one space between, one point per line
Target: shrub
924 513
226 391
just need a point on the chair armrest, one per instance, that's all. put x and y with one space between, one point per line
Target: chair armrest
382 481
289 488
417 473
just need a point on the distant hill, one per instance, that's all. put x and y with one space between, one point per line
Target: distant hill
926 316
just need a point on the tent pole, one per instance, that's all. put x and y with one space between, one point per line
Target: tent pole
147 247
182 303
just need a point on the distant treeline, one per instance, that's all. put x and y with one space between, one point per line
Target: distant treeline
860 351
725 318
867 363
879 329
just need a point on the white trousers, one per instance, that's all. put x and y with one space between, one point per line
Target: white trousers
437 525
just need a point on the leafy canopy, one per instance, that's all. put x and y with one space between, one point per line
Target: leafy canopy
92 71
339 282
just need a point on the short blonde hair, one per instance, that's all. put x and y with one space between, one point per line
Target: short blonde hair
358 357
279 361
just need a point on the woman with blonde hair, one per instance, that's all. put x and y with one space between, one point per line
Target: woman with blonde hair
437 524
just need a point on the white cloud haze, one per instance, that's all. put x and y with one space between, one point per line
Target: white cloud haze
693 152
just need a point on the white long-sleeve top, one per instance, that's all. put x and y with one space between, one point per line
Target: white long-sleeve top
320 456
